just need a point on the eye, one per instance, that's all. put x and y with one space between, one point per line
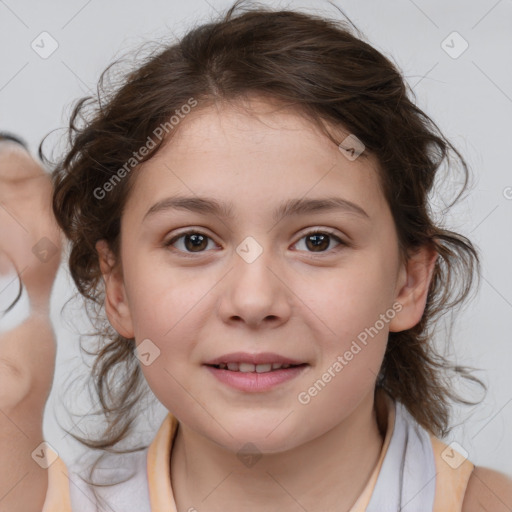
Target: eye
192 241
320 240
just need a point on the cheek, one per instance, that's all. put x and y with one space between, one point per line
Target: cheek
162 308
350 300
355 315
352 313
162 297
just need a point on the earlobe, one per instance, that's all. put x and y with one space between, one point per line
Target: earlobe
414 282
116 305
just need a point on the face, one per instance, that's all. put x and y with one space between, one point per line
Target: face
311 285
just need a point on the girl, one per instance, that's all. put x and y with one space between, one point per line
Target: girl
250 208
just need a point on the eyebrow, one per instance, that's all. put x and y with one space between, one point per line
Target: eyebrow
210 206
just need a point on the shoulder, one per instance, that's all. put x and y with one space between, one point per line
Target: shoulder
488 489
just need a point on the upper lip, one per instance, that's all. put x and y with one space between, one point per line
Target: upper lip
261 358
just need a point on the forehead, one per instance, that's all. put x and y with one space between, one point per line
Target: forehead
259 150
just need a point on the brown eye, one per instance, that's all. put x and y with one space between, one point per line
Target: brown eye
319 241
191 241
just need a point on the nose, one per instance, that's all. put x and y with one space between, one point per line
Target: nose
255 293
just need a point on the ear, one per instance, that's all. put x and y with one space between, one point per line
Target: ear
116 304
413 284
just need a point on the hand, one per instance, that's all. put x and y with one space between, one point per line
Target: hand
30 245
31 239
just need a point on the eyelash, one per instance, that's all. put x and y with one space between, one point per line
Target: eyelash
309 233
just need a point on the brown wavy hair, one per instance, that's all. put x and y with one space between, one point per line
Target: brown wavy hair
324 69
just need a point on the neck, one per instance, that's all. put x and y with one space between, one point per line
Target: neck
206 477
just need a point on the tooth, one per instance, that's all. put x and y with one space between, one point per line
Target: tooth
262 368
249 367
246 367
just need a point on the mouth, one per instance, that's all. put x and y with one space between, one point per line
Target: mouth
255 378
254 368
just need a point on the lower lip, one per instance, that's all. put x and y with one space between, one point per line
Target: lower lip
254 382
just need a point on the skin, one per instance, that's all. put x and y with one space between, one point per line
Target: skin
291 300
488 490
27 351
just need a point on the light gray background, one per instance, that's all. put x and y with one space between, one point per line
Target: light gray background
470 97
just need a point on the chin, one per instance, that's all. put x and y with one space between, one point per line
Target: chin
257 438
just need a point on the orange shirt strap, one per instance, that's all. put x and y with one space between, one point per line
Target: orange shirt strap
158 467
453 471
57 495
